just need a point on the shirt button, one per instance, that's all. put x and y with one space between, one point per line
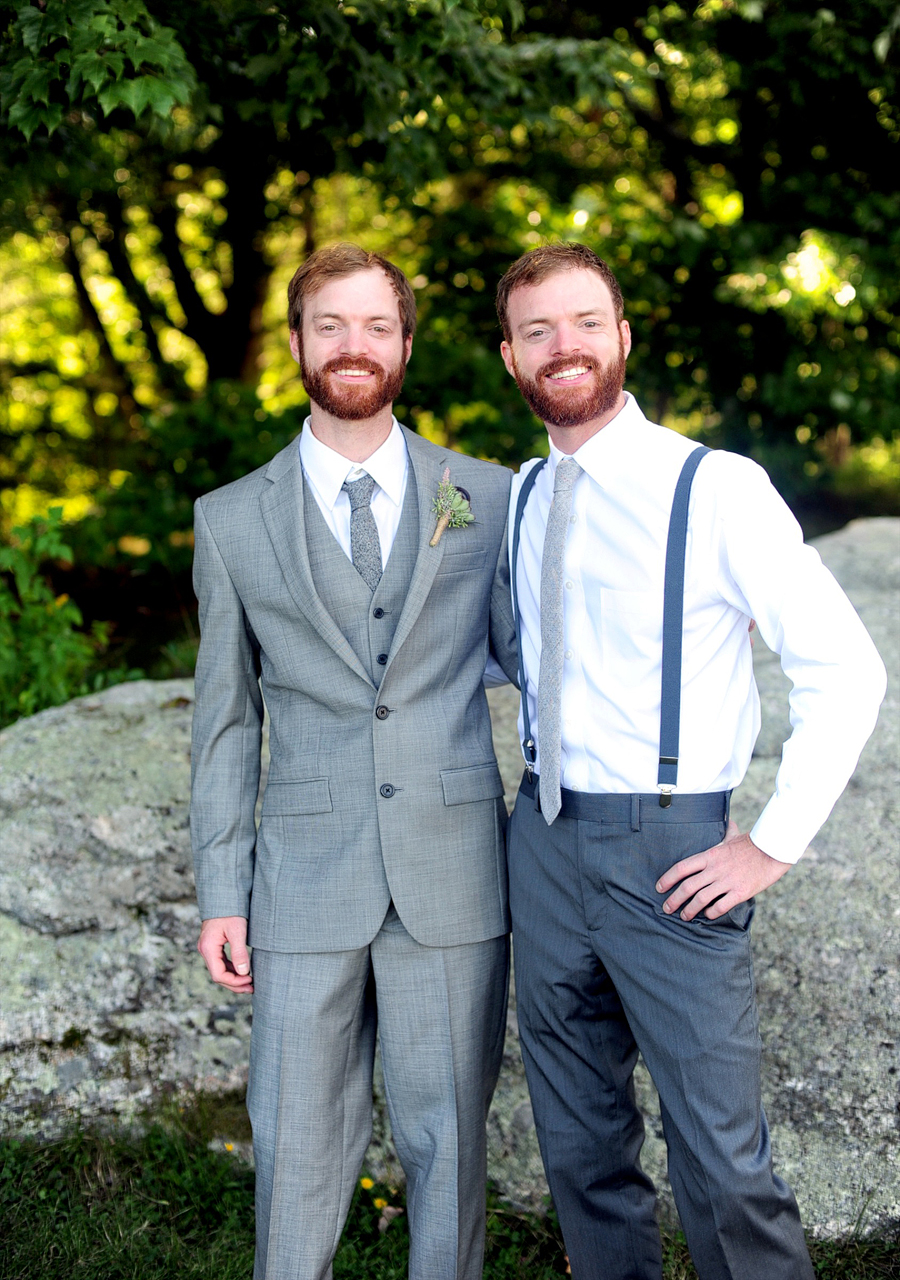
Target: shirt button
573 519
386 790
382 713
378 613
381 659
568 653
569 585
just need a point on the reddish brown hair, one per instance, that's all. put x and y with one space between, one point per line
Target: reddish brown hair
537 264
340 260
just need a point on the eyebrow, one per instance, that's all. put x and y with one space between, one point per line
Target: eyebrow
333 315
577 315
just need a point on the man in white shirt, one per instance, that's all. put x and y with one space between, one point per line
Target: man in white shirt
631 892
375 886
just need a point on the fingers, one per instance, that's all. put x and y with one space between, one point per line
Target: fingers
231 971
718 879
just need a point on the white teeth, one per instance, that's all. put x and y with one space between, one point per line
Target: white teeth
355 373
569 373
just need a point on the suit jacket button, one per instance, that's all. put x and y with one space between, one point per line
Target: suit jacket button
378 613
382 713
381 659
386 790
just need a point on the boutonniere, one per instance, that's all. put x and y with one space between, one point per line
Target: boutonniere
451 506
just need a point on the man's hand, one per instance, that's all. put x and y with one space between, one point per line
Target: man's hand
233 973
726 874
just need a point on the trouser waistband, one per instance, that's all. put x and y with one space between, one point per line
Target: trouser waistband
634 809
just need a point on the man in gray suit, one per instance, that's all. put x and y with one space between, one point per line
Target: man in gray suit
375 886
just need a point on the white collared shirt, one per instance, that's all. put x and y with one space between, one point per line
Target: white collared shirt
745 559
327 470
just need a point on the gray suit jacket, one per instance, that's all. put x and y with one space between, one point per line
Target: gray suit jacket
359 808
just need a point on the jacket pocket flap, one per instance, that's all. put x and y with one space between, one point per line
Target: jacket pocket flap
462 561
479 782
282 798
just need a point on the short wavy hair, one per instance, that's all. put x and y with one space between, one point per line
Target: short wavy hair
337 261
535 265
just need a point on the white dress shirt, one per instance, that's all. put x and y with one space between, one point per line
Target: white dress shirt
326 471
745 558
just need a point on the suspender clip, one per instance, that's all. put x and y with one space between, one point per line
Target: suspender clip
530 751
665 797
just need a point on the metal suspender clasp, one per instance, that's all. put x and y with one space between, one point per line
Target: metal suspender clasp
528 748
665 797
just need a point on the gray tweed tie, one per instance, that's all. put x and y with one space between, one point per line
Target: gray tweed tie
364 545
550 680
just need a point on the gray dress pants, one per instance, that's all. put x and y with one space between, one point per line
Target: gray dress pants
601 974
440 1014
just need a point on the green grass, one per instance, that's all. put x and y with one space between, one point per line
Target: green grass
163 1204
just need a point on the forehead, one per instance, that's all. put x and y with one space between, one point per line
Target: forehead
560 294
365 293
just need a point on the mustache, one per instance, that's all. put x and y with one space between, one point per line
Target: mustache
561 363
341 363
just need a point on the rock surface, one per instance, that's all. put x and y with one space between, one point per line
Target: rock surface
106 1007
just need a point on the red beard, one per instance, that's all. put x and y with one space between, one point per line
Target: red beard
352 404
573 406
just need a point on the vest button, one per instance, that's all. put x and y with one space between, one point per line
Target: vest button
382 713
378 613
381 659
386 790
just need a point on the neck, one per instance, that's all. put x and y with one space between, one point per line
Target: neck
355 441
570 439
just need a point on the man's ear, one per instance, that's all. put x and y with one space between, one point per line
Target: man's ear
295 344
508 358
625 330
407 348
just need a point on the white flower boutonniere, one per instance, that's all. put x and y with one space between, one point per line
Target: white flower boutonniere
451 506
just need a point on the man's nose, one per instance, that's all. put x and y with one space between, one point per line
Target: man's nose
566 339
355 341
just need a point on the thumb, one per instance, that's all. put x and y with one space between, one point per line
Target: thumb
240 958
732 831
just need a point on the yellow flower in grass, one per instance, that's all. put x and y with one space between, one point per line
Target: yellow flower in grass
366 1183
380 1204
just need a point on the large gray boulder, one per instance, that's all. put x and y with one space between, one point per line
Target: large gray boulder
106 1007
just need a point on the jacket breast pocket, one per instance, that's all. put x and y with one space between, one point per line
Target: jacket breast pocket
461 561
478 782
282 799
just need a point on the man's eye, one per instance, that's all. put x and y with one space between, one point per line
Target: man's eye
536 333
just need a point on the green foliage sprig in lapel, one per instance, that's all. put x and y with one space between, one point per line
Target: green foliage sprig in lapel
451 506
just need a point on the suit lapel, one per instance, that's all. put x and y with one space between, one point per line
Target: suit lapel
428 468
282 511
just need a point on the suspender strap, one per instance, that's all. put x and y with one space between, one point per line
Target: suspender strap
528 747
673 623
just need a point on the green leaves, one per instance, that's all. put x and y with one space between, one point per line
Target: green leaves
44 657
90 53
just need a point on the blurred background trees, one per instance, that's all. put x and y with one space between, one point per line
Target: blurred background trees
167 166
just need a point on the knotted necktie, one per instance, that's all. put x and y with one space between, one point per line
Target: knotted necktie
550 679
365 547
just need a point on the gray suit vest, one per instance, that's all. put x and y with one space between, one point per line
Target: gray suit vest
368 620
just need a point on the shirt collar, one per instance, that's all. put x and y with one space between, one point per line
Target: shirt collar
610 448
326 470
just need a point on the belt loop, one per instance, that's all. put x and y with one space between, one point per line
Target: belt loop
537 796
727 807
635 813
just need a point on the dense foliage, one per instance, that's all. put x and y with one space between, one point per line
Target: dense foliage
167 166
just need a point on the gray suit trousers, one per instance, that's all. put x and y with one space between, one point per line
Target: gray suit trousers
602 973
440 1017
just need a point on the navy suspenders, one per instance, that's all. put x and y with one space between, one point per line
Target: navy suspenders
673 622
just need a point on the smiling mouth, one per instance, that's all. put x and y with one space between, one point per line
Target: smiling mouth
355 373
567 375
